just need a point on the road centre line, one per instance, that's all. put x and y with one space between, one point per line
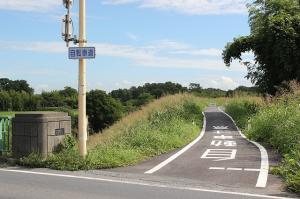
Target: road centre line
264 163
176 155
157 185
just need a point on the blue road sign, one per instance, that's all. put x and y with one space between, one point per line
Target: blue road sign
82 53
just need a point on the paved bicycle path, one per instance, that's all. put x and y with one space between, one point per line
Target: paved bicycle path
221 157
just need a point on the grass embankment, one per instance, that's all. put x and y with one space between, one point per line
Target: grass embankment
162 126
274 124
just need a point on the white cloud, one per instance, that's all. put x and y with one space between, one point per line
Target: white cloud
124 84
191 7
46 47
29 5
119 2
223 82
229 82
201 52
132 36
164 54
42 87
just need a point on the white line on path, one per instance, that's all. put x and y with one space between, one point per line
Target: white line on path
141 184
217 168
232 169
176 155
252 169
264 163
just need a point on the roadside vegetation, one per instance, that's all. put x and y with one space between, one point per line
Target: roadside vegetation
274 123
159 127
274 41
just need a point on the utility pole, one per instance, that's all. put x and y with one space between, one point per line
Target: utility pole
81 53
82 123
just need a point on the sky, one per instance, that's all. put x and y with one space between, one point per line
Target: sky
137 41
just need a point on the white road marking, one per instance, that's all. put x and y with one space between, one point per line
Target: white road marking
219 154
264 163
230 143
216 143
217 168
220 127
218 132
223 137
176 155
252 170
142 184
234 169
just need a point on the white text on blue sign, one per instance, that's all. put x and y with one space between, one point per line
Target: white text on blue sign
82 53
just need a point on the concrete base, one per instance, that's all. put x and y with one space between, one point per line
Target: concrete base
39 131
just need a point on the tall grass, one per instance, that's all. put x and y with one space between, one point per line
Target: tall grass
275 124
242 109
162 126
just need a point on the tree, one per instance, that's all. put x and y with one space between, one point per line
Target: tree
68 92
52 99
5 101
123 95
144 98
138 96
194 87
18 85
70 96
275 42
102 110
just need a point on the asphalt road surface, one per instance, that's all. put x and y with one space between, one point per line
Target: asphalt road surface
25 184
221 163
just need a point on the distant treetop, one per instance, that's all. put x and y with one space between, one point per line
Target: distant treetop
17 85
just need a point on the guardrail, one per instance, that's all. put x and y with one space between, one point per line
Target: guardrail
5 134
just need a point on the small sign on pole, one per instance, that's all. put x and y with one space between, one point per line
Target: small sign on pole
82 53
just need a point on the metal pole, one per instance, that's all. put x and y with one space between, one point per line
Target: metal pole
82 124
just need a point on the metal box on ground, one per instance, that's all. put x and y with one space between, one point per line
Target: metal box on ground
39 131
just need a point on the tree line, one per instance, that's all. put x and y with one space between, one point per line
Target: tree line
103 108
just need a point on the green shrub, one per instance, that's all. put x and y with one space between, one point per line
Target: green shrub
66 156
290 170
277 126
242 110
34 160
68 159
